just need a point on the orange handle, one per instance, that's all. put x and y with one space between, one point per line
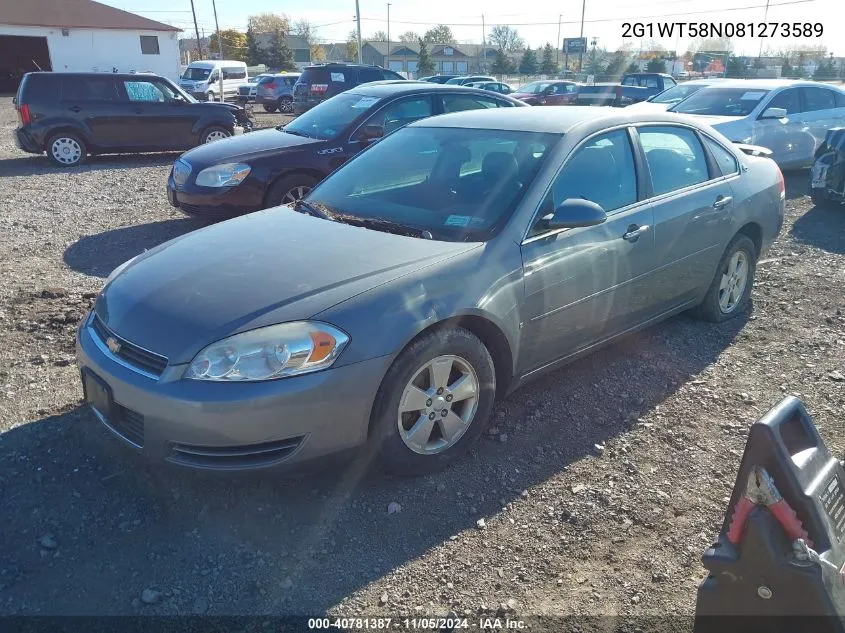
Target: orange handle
738 520
789 520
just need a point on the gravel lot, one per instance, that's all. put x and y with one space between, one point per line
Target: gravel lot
595 492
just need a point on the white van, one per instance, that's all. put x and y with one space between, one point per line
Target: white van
202 79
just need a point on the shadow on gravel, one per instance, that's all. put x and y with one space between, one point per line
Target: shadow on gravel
822 227
88 525
98 255
33 165
797 183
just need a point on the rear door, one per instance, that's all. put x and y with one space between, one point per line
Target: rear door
585 284
692 202
96 103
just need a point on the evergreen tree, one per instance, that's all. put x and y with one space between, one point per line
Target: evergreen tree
502 64
735 68
254 54
425 66
279 54
633 67
528 63
655 65
616 64
548 65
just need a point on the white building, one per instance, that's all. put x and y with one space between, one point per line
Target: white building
81 36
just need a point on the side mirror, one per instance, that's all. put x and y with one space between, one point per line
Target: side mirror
651 98
370 132
774 113
575 212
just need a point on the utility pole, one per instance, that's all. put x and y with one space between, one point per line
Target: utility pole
219 46
483 65
388 35
581 54
760 54
559 18
358 18
196 29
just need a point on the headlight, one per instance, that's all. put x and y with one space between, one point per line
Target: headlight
224 175
276 351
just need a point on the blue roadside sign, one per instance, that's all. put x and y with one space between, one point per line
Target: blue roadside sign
574 45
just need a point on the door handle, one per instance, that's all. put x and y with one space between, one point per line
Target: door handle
634 232
722 202
75 109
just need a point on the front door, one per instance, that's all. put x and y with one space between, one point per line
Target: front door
585 284
160 118
787 138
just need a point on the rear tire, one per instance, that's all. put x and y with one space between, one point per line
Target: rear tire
214 133
411 434
285 105
270 108
730 292
289 189
66 149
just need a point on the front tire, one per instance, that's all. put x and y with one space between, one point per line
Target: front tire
271 108
289 189
66 149
434 402
285 105
214 133
730 292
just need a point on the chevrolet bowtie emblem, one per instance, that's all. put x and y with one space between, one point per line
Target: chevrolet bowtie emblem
113 344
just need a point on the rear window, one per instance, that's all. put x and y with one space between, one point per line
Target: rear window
38 89
89 89
343 76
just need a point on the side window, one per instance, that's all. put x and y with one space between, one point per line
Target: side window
818 99
726 161
89 89
651 82
675 158
629 81
668 82
401 113
389 74
840 99
571 88
370 74
149 45
459 103
788 100
601 171
215 76
144 91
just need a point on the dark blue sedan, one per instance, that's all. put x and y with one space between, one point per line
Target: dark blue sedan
278 166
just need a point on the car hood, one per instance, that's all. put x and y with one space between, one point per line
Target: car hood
246 146
267 267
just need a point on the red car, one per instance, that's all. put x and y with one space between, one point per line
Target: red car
548 93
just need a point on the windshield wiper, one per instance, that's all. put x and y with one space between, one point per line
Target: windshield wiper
379 224
313 209
294 132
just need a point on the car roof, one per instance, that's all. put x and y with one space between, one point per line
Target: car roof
769 84
71 75
342 65
559 120
389 88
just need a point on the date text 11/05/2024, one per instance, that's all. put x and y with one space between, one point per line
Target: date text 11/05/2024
418 624
722 29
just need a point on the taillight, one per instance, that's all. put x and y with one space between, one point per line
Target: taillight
319 88
270 85
23 111
782 185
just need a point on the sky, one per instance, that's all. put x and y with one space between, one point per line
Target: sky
537 23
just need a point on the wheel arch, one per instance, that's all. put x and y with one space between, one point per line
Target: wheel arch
68 128
306 171
753 231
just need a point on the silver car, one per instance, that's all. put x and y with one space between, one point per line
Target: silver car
788 117
662 101
441 268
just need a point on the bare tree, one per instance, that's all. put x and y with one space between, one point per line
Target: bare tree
440 34
378 36
305 30
409 37
506 38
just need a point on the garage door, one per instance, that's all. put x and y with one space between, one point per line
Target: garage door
19 55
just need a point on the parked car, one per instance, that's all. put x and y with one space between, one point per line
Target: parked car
275 92
419 282
827 177
319 82
492 86
662 101
633 87
201 79
547 93
71 115
247 91
791 118
463 80
280 165
438 79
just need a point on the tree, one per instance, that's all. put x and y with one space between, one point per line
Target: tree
234 44
616 64
425 65
254 54
269 23
506 38
318 53
735 68
305 30
786 69
595 63
378 36
528 63
655 66
279 54
548 65
352 45
440 34
825 71
633 67
409 37
502 64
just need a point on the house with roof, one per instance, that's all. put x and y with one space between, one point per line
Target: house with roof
81 36
449 59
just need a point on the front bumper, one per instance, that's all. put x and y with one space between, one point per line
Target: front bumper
25 142
238 426
216 203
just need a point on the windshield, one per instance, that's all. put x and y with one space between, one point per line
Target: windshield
534 88
721 102
457 184
676 94
455 80
331 117
196 74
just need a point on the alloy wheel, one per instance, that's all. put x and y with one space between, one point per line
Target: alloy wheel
66 150
286 105
733 282
216 135
438 405
295 193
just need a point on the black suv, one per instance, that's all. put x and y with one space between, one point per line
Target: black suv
318 83
71 115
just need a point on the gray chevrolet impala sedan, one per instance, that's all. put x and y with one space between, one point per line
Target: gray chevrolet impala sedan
446 265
